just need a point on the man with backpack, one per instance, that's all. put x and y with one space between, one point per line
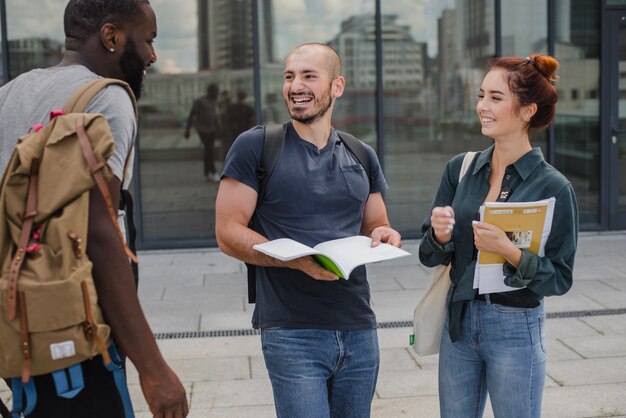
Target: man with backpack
110 39
318 332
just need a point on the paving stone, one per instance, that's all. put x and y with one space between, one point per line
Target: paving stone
232 393
584 401
609 324
568 327
598 347
588 371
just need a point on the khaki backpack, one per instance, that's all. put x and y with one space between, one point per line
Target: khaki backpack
49 313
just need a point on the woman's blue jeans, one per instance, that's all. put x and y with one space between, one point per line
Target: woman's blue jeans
321 373
501 353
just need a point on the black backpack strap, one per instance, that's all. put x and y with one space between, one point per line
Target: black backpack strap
357 149
126 204
272 145
4 412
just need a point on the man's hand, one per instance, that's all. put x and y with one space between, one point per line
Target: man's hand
309 266
442 222
164 393
387 235
120 305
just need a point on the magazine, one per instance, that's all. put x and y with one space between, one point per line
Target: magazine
527 224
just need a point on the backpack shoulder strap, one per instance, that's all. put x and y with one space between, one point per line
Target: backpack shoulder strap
356 147
272 145
81 98
79 101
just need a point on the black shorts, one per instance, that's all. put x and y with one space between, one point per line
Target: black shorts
98 399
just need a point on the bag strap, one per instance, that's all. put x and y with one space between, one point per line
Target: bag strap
357 149
126 204
77 103
24 397
4 411
272 146
30 211
467 161
95 168
81 98
116 366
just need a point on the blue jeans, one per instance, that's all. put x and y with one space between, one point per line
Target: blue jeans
320 373
501 352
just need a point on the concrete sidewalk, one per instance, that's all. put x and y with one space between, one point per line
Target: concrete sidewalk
202 295
195 301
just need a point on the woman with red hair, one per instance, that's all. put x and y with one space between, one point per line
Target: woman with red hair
494 344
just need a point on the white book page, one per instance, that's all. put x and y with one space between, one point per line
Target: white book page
547 226
348 253
285 249
492 280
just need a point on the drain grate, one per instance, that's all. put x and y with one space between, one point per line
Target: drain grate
381 325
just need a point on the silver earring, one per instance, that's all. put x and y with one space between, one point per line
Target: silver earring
111 49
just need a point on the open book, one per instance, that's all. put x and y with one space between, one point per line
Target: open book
340 256
527 224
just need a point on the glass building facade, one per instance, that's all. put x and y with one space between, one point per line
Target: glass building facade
413 69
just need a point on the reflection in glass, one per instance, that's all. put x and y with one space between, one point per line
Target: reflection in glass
432 70
525 27
577 128
525 32
348 27
202 43
35 35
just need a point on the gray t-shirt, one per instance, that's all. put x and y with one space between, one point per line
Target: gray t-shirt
313 196
28 100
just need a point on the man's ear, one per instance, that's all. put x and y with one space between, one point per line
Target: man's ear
111 37
338 86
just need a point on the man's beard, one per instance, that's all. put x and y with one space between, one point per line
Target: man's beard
132 67
316 114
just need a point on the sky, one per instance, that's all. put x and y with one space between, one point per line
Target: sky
296 22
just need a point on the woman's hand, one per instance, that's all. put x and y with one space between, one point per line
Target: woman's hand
490 238
442 222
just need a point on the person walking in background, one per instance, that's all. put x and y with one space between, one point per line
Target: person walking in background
270 112
103 39
240 117
204 117
318 333
223 103
494 344
224 134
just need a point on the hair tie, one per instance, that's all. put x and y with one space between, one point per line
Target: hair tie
540 71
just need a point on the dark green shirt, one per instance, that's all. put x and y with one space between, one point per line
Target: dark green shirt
528 179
